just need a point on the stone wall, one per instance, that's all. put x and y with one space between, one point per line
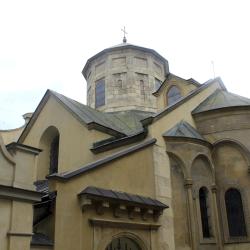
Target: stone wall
130 76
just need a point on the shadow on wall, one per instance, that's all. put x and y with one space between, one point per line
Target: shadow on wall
48 159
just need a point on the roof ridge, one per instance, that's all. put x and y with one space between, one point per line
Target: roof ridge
243 98
58 95
158 115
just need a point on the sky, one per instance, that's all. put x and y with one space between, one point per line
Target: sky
45 44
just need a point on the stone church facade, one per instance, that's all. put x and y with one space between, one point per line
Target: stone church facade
152 162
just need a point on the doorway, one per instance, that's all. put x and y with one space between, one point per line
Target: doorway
123 243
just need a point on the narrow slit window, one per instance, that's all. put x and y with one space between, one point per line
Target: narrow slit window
54 151
142 87
205 220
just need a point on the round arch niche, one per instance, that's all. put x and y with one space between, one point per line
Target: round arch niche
49 138
123 243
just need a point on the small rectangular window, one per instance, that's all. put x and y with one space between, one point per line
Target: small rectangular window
100 93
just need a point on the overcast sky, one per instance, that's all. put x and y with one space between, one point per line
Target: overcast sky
45 44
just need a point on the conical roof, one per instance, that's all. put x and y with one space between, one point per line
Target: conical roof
183 129
119 47
221 99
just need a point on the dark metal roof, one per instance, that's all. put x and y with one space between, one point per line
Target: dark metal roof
101 162
116 196
221 99
26 148
87 114
183 129
40 239
119 47
118 124
42 186
171 75
193 81
124 122
110 143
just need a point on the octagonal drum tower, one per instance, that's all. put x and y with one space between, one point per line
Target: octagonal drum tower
124 77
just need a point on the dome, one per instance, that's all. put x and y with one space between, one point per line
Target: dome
123 46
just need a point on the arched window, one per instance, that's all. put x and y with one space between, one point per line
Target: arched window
173 95
123 243
54 150
100 93
205 214
48 158
235 213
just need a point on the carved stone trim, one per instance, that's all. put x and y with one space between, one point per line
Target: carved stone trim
19 234
13 193
214 188
188 183
123 224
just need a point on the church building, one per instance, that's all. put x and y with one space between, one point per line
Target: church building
152 162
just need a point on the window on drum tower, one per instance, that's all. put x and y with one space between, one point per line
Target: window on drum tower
100 93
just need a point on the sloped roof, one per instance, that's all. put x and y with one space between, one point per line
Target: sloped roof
183 129
42 186
118 47
170 75
102 162
86 114
125 122
129 121
116 196
39 239
120 124
221 99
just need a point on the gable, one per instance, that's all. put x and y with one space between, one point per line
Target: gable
182 110
84 114
184 86
75 137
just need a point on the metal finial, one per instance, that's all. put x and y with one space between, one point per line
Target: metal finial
124 35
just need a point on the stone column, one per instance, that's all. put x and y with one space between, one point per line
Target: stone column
218 234
165 234
188 185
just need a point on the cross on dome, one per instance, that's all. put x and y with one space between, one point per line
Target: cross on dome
124 34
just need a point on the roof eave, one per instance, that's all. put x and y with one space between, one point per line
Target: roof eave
34 116
128 46
221 109
190 139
